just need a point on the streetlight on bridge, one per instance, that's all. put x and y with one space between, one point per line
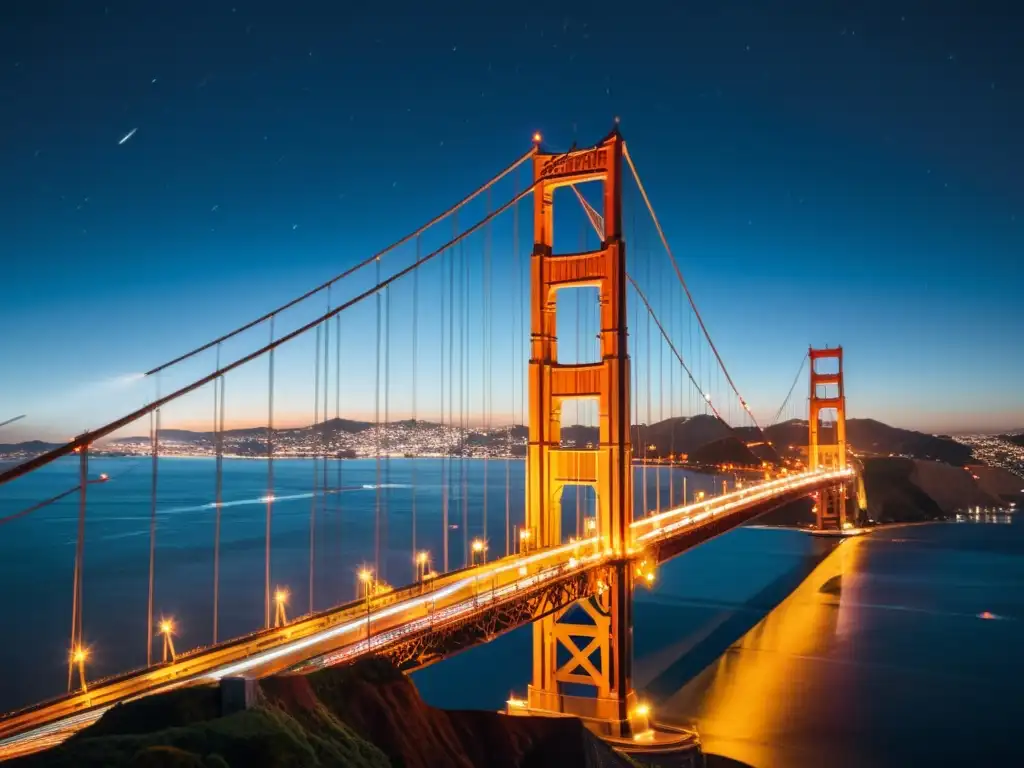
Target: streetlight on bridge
281 596
524 540
78 658
422 565
366 580
479 551
167 630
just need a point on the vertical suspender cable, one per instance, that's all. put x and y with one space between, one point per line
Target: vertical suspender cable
270 482
76 585
451 382
415 365
387 431
218 444
463 393
313 500
486 350
155 445
671 409
377 444
579 334
326 437
661 402
516 322
445 261
524 323
338 446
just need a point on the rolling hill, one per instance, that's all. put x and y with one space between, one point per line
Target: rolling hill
873 438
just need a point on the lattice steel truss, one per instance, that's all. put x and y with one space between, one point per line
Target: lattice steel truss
439 641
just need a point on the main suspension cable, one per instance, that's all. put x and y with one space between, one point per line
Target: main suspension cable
597 222
800 370
365 262
682 282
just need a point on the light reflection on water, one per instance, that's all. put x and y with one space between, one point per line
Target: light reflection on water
883 656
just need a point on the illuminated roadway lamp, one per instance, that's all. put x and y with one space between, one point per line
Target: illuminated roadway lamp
536 137
422 564
280 600
479 550
78 657
524 539
167 630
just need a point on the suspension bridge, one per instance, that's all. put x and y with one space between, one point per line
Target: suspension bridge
525 400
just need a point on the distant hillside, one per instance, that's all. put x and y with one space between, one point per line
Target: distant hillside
329 427
893 496
728 450
1016 439
903 490
364 716
1000 483
788 437
912 490
30 446
870 436
678 435
873 438
687 434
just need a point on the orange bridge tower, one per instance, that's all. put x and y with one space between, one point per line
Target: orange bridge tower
582 656
826 446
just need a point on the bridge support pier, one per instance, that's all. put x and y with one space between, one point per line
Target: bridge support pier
589 648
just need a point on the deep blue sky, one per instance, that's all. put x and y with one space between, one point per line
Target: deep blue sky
828 173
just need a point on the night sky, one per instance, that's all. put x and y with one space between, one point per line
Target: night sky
828 173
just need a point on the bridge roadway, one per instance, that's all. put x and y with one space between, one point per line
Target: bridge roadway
340 634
